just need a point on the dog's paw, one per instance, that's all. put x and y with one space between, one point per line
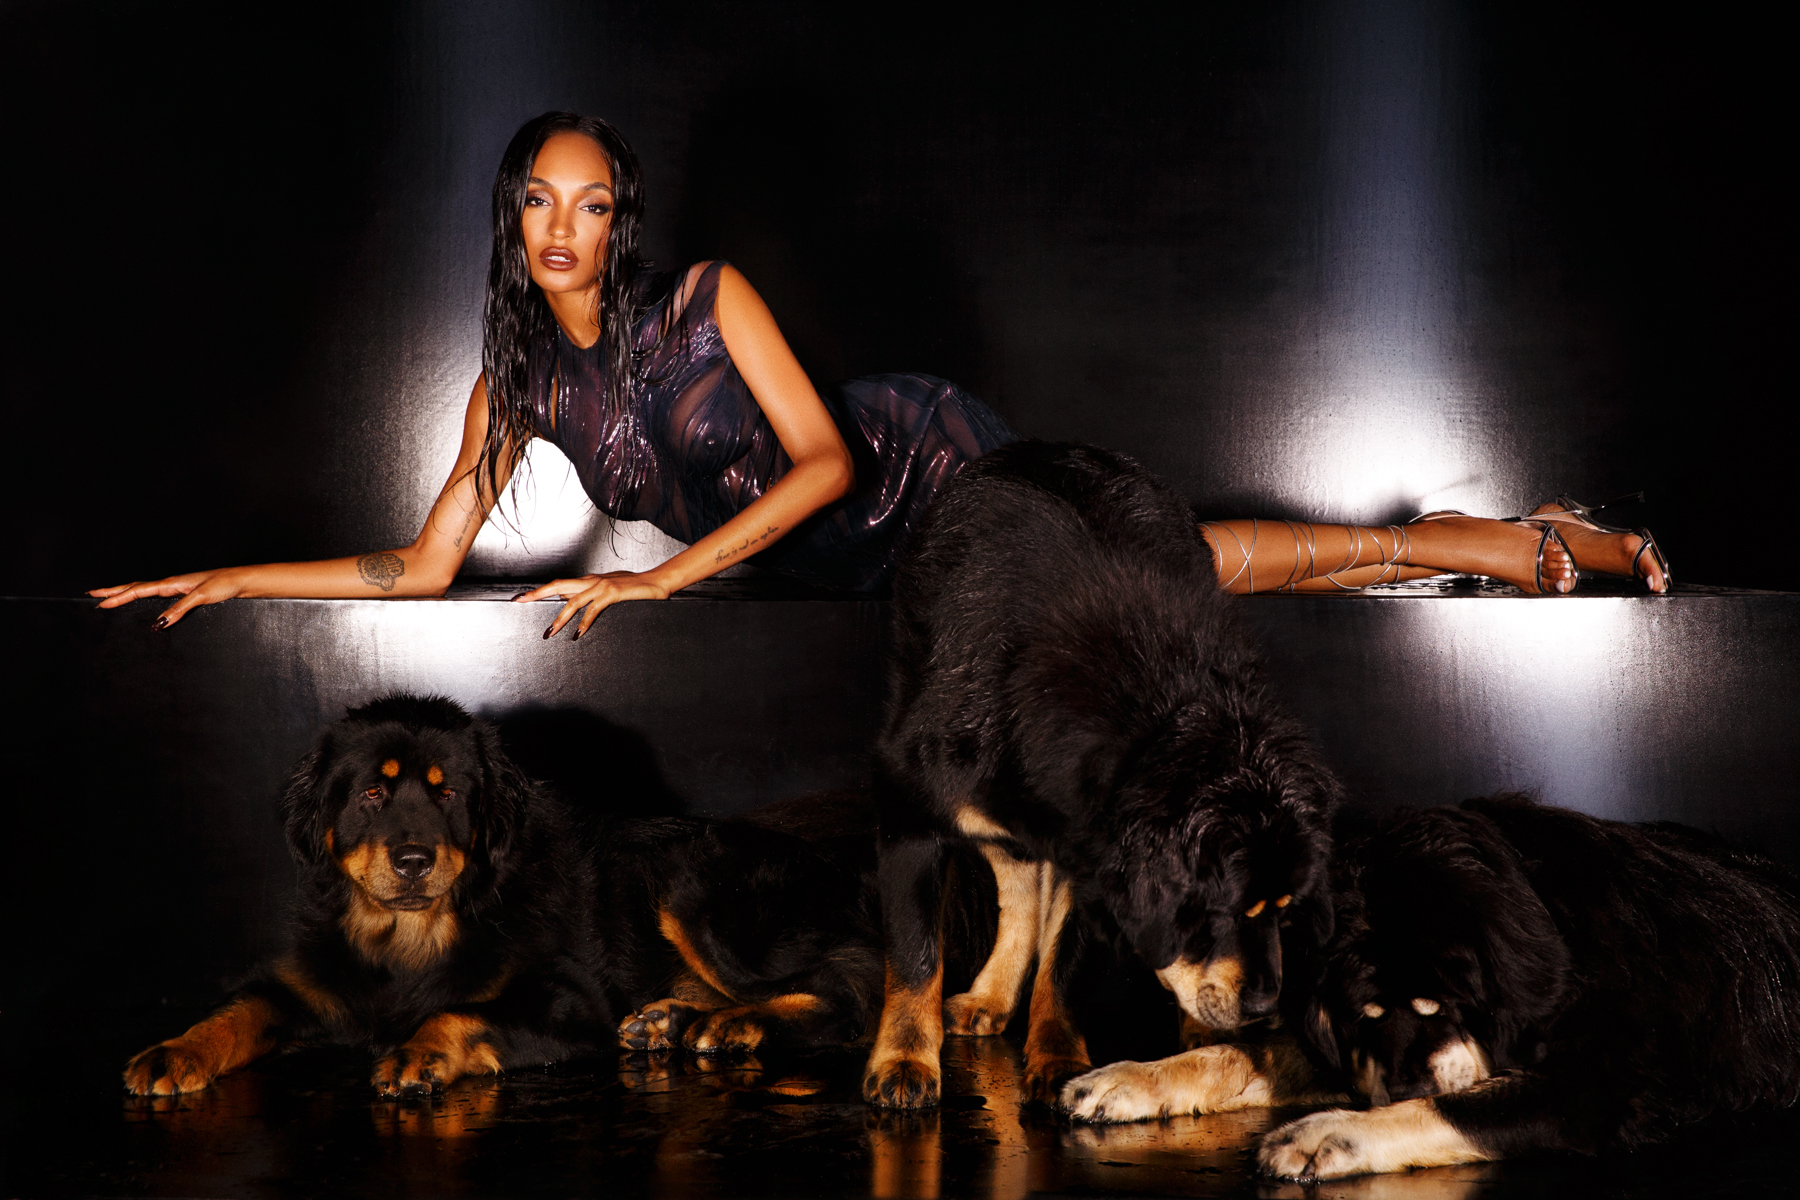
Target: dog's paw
411 1072
900 1082
1121 1091
168 1069
657 1026
1326 1145
1333 1144
1045 1076
732 1031
973 1015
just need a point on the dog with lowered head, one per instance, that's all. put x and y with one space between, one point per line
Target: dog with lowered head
1511 977
1070 692
457 919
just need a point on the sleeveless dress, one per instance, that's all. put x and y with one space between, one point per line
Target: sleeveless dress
695 448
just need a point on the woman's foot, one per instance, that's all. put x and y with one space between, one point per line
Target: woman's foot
1530 555
1633 554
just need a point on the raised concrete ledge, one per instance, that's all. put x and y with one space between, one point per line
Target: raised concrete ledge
144 763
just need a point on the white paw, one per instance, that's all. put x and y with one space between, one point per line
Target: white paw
973 1015
1326 1145
1331 1145
1121 1091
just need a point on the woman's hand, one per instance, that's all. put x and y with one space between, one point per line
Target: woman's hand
195 588
595 593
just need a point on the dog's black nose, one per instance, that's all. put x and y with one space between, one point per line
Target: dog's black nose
1257 1002
412 861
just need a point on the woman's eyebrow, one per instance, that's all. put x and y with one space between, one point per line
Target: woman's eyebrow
586 187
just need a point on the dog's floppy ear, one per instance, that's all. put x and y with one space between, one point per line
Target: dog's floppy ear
1321 1034
505 800
302 806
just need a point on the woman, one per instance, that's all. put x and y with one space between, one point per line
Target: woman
678 402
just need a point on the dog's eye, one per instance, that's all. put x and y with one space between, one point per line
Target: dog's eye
446 794
374 795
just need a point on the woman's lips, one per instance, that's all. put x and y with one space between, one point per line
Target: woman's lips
558 259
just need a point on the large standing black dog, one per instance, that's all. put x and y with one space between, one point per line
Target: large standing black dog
458 920
1070 692
1512 977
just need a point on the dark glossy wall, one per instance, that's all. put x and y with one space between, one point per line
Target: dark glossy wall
1341 260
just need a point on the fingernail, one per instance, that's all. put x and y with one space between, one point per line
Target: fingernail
549 632
161 623
577 636
521 594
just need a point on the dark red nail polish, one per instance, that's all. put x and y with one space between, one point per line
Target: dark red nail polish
161 623
548 632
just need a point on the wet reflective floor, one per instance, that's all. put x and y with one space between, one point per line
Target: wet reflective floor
306 1124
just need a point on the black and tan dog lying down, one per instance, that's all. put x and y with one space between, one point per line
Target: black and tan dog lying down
1508 977
1070 692
457 919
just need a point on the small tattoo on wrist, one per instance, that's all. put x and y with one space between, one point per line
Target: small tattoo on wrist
380 569
741 547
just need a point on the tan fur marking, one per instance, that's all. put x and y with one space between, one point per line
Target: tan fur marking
397 938
391 768
1459 1065
231 1037
1255 910
493 989
1208 991
434 775
408 941
907 1044
1054 1047
794 1004
446 1048
1332 1145
322 1003
985 1008
972 822
671 928
1283 901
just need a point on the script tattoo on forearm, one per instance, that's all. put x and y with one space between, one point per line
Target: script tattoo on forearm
380 569
733 551
468 519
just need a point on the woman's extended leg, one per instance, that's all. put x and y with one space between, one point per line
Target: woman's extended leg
1266 556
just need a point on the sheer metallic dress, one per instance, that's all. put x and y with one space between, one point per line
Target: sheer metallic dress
693 450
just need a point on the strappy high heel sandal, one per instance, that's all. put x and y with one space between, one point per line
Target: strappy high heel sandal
1583 515
1549 533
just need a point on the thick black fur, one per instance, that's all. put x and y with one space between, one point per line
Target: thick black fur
557 937
1066 664
1624 980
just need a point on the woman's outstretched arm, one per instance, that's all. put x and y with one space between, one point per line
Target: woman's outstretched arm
425 568
822 473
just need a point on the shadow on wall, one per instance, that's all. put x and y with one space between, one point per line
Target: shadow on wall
597 767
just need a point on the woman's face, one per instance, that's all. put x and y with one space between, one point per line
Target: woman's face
568 213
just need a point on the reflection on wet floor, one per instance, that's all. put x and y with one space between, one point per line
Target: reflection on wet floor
672 1126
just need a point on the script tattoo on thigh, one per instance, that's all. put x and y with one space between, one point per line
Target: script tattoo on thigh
380 569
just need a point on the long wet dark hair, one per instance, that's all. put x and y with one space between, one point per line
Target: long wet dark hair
516 321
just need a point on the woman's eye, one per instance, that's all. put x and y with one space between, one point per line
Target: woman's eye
599 210
535 201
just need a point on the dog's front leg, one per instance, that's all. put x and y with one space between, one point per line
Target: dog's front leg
1054 1047
904 1069
1208 1080
988 1004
